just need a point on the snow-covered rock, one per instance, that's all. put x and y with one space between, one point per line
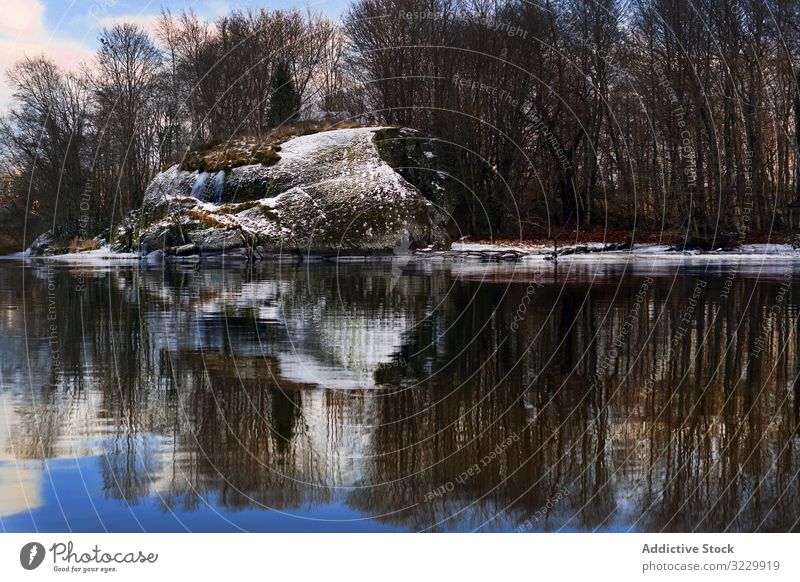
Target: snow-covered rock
330 191
44 244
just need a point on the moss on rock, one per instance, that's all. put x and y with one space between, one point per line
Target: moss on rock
225 155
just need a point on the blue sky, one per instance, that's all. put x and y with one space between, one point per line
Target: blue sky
67 30
73 18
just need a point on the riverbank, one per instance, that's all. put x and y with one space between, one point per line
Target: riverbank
461 251
609 252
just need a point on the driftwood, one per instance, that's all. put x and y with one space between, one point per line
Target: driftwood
493 256
586 249
725 241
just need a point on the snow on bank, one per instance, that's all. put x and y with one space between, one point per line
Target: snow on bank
487 247
752 253
16 256
770 249
101 256
653 252
650 252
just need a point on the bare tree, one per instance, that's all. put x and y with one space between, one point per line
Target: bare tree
46 134
127 83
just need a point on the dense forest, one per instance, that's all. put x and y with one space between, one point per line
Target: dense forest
649 115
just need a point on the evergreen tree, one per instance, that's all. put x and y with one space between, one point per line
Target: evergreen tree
285 99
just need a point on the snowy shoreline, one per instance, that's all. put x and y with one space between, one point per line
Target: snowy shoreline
643 251
462 251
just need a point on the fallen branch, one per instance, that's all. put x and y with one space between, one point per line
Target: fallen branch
583 249
489 256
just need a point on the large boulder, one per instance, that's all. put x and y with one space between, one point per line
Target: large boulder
44 245
329 192
12 222
9 244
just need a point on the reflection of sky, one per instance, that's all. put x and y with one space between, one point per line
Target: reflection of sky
69 481
20 483
20 487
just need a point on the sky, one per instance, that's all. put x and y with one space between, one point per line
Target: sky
67 30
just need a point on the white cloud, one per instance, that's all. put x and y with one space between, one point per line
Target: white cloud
23 33
148 17
21 17
146 22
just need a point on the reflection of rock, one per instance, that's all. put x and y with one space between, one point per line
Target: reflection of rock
339 343
330 191
342 351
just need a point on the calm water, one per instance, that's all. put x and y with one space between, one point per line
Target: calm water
386 397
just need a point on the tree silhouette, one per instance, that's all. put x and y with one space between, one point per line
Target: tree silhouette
285 99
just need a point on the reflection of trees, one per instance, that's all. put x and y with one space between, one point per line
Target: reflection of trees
186 381
246 439
628 440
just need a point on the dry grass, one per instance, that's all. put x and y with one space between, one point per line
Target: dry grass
235 208
77 245
225 155
205 218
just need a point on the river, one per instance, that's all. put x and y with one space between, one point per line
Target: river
400 396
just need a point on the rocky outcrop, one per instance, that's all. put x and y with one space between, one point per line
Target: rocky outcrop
433 166
45 245
330 192
12 219
9 244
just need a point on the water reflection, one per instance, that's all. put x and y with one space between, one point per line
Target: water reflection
427 397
